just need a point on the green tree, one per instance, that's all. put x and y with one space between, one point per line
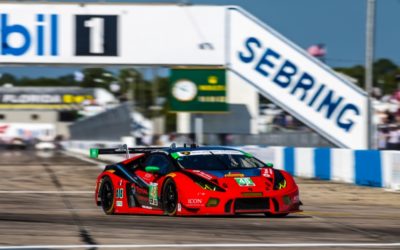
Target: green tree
39 82
96 78
8 78
357 72
128 78
385 72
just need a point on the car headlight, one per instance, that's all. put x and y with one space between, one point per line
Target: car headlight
279 181
208 185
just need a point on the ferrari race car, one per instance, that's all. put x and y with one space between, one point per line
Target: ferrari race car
193 180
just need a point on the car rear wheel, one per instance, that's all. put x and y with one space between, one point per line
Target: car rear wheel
170 197
107 195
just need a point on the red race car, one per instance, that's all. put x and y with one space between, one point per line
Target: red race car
193 181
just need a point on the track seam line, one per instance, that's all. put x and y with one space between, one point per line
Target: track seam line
222 245
84 234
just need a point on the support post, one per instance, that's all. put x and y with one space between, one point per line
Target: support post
369 61
198 127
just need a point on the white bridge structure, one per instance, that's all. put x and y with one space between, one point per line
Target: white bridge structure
180 35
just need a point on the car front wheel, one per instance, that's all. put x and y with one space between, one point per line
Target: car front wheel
170 197
107 195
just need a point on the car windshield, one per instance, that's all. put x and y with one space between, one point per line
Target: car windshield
217 160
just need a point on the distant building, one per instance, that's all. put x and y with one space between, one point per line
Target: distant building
31 112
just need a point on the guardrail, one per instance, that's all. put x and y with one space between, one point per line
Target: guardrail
374 168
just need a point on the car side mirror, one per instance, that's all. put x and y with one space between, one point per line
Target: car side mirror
270 165
152 169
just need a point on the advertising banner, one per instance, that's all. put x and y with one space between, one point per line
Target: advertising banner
302 85
84 33
198 90
44 97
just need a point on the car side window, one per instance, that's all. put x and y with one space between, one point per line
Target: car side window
160 161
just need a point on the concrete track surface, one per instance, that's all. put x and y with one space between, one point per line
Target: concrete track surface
46 202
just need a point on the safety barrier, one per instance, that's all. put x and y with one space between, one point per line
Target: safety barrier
362 167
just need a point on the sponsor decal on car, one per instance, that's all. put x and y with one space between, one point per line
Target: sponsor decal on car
202 174
153 194
245 182
120 203
140 190
234 175
195 201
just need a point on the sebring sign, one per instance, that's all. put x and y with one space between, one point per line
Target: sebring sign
302 85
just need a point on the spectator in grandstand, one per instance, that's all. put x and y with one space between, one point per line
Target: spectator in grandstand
393 142
383 135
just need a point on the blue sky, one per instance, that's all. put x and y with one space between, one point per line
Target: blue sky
340 24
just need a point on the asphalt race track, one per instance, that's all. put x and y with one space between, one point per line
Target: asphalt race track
46 202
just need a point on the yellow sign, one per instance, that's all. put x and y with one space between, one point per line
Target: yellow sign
76 98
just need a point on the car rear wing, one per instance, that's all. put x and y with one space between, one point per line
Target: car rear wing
123 149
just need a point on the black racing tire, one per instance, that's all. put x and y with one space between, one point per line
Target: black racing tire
276 215
170 197
107 196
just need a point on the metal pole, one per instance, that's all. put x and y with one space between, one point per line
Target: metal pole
198 127
369 60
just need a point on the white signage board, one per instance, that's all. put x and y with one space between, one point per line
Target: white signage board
134 34
303 86
112 34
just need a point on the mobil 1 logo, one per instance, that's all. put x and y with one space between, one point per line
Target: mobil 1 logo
96 35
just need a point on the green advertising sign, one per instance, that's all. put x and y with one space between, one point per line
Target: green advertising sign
198 90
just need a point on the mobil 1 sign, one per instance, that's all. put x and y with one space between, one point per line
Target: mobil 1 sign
300 84
98 33
198 90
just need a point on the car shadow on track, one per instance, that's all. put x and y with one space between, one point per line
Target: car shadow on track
238 216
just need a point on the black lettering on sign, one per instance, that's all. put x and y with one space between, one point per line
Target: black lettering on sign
96 35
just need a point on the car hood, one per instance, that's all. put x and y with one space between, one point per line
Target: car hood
256 177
